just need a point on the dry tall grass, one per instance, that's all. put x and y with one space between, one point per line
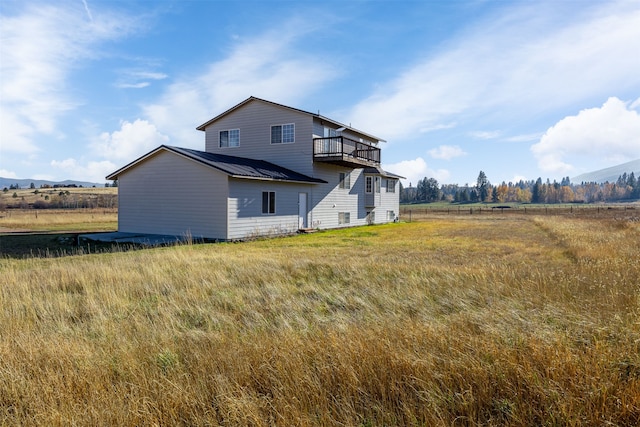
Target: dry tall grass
82 220
455 321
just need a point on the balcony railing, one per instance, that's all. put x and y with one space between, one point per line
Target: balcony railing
341 150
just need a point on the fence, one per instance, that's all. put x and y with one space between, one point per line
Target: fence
411 213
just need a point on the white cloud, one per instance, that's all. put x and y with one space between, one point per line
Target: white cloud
447 152
483 134
92 171
609 134
520 63
136 79
518 178
414 170
139 85
7 174
131 141
268 66
524 137
40 45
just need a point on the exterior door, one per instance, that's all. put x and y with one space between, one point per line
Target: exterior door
302 210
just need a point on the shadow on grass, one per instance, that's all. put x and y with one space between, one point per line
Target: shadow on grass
53 245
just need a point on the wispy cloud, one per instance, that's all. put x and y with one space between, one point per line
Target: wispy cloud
273 65
86 8
518 62
137 79
483 134
447 152
40 46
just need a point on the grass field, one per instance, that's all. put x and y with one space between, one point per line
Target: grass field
456 320
52 232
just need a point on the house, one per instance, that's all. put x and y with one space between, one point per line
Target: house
266 169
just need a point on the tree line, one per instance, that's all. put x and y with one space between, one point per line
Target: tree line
427 190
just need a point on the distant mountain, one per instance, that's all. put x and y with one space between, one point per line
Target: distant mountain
26 183
609 174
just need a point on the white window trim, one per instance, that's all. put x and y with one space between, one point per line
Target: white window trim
344 218
344 183
282 141
228 132
368 184
391 183
268 203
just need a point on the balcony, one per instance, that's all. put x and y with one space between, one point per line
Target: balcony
344 151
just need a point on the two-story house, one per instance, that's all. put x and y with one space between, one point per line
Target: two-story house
266 169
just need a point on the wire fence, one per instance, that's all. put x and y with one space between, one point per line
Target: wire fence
416 213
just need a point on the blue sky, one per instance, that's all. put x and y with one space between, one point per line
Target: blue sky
518 89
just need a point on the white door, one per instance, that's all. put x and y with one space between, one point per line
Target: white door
302 210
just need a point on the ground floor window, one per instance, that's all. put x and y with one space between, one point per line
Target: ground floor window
268 202
344 217
391 215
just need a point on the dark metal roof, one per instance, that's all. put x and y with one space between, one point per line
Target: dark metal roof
377 170
237 167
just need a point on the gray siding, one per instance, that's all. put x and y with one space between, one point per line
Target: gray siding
328 199
169 194
245 208
254 120
388 202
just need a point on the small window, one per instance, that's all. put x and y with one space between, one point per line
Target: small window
377 184
330 133
345 180
344 217
391 186
230 138
268 202
368 184
391 216
283 134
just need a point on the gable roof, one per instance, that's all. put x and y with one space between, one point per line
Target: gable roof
235 167
253 98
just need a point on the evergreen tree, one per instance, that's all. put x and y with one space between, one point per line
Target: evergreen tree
537 191
482 187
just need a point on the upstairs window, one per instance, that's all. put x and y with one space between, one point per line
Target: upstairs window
230 138
283 134
330 133
345 180
268 202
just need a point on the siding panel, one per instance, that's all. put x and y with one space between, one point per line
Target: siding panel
254 120
169 194
245 208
